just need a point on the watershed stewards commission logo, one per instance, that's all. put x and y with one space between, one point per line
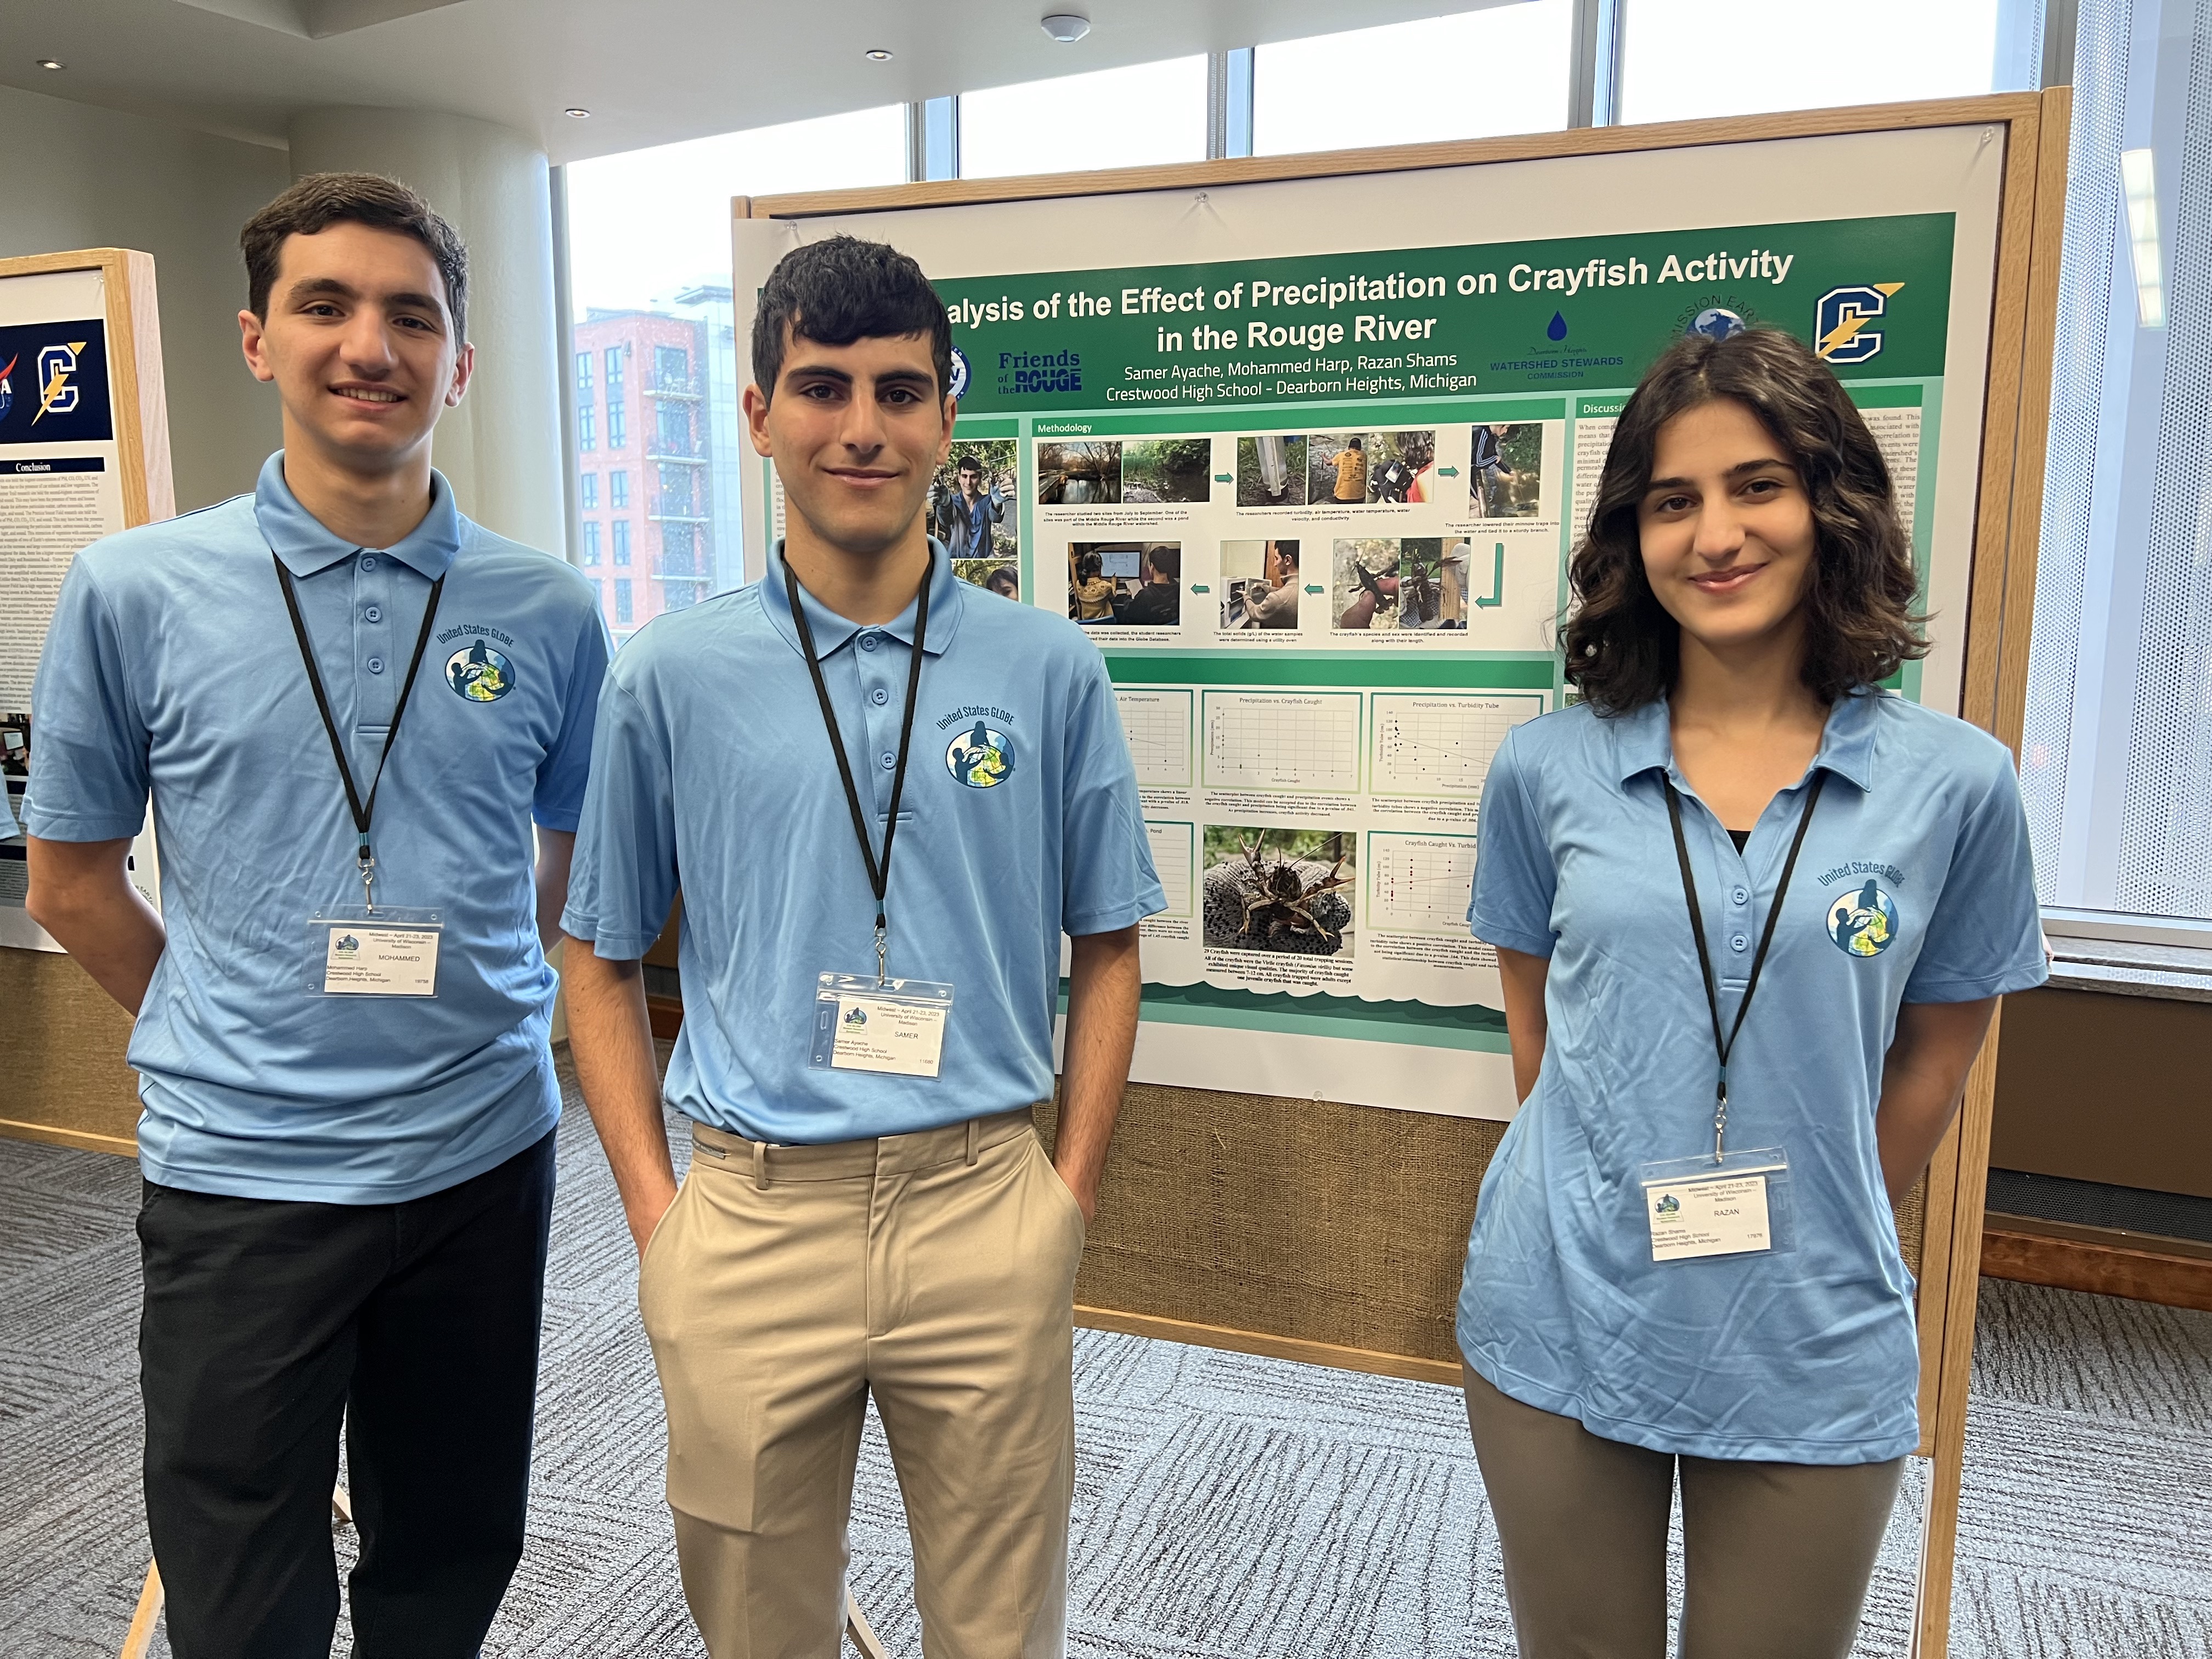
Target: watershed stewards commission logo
479 674
981 758
1863 921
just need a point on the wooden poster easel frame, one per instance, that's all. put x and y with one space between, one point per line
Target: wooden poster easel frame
66 1059
1993 694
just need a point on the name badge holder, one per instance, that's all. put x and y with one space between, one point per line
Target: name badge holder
1723 1202
367 949
872 1023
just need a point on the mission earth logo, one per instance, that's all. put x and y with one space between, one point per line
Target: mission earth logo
1033 373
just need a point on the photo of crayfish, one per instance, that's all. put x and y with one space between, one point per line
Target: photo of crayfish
1256 900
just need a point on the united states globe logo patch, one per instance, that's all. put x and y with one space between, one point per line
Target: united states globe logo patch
479 674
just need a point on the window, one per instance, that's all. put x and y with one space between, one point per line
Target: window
650 239
1685 58
584 375
614 373
616 434
598 594
618 488
591 484
591 541
676 550
1140 116
672 433
679 596
675 498
623 613
621 545
1473 75
587 421
2115 754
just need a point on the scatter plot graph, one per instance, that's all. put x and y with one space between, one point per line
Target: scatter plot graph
1303 741
1172 856
1157 725
1441 744
1419 884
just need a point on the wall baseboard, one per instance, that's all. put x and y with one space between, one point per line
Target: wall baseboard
2174 1272
83 1140
1270 1347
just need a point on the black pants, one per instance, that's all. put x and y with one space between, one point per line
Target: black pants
264 1324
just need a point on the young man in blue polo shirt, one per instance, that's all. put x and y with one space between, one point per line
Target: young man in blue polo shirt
889 796
349 703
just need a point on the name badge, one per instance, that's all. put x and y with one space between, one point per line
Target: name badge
1697 1207
894 1026
385 952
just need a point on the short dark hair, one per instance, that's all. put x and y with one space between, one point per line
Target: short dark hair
1287 550
1623 650
1356 443
323 199
1167 561
1088 565
842 289
967 463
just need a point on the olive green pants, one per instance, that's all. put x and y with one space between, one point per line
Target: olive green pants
1776 1556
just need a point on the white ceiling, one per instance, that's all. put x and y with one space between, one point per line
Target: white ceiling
651 71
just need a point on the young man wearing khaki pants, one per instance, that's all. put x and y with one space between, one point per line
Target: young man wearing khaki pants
868 1210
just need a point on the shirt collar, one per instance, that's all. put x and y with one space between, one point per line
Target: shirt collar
306 544
831 630
1642 739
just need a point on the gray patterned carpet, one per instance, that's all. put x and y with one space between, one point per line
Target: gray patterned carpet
1226 1506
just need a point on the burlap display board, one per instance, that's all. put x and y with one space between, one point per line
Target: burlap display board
1298 1218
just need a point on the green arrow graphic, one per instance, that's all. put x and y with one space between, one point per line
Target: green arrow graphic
1447 472
1312 587
1200 587
1225 477
1497 582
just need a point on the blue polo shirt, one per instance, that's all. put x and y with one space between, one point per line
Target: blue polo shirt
171 666
712 759
1914 885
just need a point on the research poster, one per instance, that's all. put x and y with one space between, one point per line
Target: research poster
1306 460
61 488
1316 511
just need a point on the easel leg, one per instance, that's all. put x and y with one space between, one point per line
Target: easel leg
863 1635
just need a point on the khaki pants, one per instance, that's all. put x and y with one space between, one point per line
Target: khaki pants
1776 1556
935 1271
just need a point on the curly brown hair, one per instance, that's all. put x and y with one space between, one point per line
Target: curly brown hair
1623 650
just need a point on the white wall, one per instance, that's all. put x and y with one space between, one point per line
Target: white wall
82 177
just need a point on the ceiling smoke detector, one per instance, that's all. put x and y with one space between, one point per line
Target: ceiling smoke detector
1066 26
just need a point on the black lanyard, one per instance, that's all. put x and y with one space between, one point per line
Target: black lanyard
879 875
1725 1046
363 810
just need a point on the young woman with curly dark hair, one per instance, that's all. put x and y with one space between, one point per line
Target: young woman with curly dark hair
1752 916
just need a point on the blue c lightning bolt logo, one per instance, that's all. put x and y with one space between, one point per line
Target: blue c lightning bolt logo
56 395
1840 333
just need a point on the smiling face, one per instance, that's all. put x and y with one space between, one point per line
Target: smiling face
856 433
1726 528
361 345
